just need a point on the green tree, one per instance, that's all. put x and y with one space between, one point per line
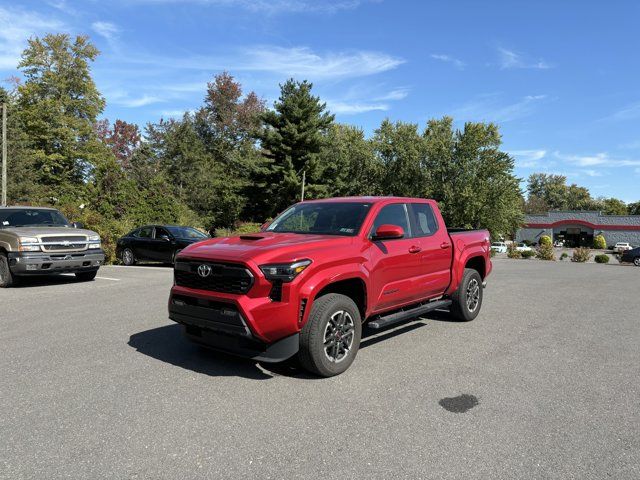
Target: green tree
634 208
471 177
349 166
401 152
612 206
291 139
550 188
58 104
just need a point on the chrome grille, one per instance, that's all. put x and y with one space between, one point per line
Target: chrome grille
64 243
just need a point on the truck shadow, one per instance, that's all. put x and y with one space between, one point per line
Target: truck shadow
168 344
46 280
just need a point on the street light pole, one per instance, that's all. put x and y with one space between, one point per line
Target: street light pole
4 154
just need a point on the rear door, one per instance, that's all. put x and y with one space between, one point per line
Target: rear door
436 248
395 264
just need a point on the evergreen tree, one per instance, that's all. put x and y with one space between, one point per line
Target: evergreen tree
291 139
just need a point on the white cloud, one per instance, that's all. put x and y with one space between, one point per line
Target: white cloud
597 159
16 27
490 107
346 108
123 99
394 95
105 29
277 6
304 62
510 59
628 112
592 173
448 59
528 158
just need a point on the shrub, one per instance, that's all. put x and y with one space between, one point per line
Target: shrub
492 252
546 240
599 242
564 255
581 255
528 253
545 252
239 228
601 258
512 252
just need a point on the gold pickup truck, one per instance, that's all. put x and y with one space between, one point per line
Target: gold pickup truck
41 241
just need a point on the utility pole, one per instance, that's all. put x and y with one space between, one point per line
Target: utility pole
303 180
4 154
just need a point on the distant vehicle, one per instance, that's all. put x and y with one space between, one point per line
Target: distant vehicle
622 247
558 244
631 256
156 243
41 241
523 247
499 247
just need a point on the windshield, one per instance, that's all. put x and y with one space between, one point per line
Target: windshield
31 217
186 232
335 218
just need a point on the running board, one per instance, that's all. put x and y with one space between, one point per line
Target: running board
398 317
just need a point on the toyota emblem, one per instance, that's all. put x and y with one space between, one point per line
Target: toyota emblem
204 270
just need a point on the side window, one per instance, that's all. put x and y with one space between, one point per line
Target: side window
145 232
161 232
394 214
424 221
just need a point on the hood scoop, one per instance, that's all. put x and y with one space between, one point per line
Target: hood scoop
251 237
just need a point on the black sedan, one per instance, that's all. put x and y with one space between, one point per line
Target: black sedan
632 256
156 243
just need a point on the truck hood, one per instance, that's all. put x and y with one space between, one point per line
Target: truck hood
265 247
38 231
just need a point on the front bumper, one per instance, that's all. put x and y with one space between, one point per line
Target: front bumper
222 326
38 263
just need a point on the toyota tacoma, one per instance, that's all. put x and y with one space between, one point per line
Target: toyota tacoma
308 281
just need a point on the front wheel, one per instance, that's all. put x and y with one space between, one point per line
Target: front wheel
467 299
86 276
330 339
7 278
127 257
636 261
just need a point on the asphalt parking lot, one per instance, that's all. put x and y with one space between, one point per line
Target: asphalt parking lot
96 382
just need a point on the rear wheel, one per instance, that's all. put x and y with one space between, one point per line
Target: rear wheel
330 339
86 276
7 278
467 299
127 257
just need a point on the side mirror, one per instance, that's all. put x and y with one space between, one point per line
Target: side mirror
165 238
77 225
388 232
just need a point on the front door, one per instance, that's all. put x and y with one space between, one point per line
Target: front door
395 263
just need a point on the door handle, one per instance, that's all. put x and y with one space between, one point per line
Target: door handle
445 245
414 249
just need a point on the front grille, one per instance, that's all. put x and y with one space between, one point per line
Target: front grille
64 243
221 277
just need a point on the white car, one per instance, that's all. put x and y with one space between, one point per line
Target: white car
523 247
499 247
622 247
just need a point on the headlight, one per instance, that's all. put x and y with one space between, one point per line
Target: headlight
94 241
29 244
284 271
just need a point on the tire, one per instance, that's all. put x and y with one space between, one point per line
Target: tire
330 339
128 258
636 261
86 276
467 299
7 279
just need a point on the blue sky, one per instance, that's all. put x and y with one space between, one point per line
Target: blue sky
562 79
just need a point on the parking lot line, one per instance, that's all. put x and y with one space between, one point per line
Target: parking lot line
148 267
109 278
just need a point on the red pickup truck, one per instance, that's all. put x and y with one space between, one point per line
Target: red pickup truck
310 279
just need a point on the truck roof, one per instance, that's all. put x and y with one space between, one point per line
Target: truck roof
367 199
